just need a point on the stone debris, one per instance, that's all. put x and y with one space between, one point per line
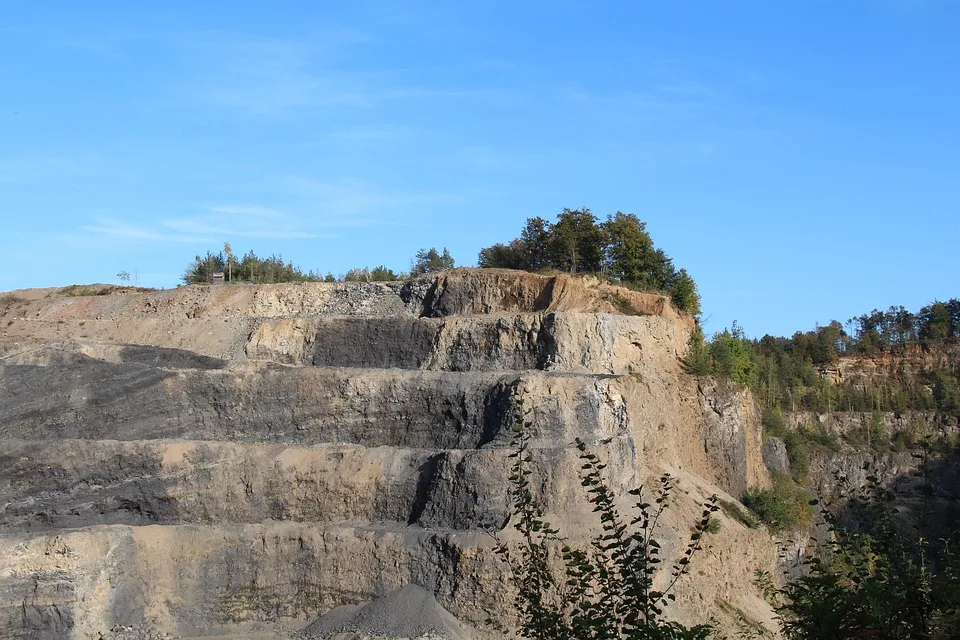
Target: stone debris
134 632
407 613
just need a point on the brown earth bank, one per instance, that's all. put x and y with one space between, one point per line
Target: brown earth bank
231 459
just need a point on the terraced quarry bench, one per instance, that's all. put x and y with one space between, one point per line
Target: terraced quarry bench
235 458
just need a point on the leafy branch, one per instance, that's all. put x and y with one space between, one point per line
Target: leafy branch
606 591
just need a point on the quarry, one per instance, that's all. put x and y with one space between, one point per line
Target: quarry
239 460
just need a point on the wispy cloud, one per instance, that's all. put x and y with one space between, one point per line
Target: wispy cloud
358 203
373 134
688 89
119 230
52 37
36 167
254 210
264 76
333 206
602 103
217 223
221 227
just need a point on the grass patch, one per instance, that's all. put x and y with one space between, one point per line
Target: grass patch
736 512
82 290
747 627
9 299
623 305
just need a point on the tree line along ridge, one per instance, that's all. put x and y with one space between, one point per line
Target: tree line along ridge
618 249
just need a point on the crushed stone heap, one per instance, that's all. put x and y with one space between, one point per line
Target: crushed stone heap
407 613
232 459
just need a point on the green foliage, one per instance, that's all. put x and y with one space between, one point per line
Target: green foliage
876 578
697 361
683 293
631 255
431 261
731 356
939 322
936 323
250 268
798 450
785 507
382 274
578 242
798 453
792 374
362 274
872 434
535 241
623 304
81 290
945 393
606 590
504 256
741 515
201 270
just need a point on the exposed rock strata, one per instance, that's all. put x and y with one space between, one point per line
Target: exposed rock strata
233 458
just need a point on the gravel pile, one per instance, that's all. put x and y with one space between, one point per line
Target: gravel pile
405 613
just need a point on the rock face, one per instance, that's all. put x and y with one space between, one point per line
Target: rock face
228 459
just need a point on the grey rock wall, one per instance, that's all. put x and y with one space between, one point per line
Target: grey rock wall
234 459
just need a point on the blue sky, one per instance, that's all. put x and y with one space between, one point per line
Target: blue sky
799 158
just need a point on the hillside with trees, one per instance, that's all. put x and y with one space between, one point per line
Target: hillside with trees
577 242
619 248
792 373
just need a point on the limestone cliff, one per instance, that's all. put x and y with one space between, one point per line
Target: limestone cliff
220 459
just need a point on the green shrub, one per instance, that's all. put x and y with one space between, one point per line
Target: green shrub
697 361
773 423
623 305
875 579
872 434
798 452
782 508
741 515
606 590
815 432
81 290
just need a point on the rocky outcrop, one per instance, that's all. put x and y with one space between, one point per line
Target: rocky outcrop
240 458
864 427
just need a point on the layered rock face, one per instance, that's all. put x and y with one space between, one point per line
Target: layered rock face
221 459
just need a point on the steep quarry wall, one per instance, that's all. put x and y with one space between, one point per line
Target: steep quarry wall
226 459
